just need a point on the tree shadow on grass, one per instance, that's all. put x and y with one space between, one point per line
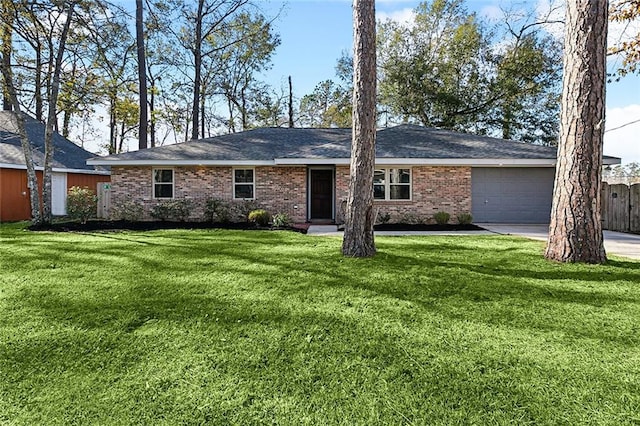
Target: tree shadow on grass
185 276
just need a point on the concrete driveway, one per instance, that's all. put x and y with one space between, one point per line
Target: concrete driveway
616 243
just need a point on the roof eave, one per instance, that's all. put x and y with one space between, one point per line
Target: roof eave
56 169
481 162
473 162
105 162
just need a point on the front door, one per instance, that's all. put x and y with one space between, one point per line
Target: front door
321 190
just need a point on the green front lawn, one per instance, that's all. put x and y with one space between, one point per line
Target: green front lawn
249 327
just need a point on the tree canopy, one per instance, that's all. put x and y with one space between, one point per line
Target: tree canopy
447 68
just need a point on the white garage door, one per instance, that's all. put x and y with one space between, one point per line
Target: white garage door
511 195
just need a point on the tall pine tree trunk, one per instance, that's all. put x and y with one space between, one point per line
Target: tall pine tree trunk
575 232
142 76
197 78
358 236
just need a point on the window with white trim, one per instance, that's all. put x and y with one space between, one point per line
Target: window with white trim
162 183
244 184
392 184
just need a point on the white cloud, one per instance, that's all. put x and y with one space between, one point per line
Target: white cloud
492 12
623 141
404 16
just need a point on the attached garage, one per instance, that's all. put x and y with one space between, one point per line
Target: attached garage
511 194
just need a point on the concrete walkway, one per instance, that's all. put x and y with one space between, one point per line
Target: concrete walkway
616 243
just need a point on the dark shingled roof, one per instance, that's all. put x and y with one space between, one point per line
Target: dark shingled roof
262 144
400 142
66 155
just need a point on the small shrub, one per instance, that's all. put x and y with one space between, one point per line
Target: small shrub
182 209
247 206
217 211
442 218
128 210
465 218
82 203
172 209
281 220
260 216
410 219
161 211
383 218
239 209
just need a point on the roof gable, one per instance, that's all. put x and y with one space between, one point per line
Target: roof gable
66 154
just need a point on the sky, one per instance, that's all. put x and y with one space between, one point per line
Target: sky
314 34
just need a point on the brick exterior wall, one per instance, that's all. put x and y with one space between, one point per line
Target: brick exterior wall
434 189
277 189
284 190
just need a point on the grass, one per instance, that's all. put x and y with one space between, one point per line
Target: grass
237 327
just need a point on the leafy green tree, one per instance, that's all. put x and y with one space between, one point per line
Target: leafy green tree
528 80
447 69
238 63
328 106
434 71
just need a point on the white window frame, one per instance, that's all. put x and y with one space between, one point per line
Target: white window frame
154 183
253 184
388 184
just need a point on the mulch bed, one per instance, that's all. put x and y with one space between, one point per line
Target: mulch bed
121 225
401 227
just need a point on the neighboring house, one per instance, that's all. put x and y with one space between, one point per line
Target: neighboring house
69 168
305 173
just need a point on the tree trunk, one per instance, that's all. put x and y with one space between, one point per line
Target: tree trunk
197 64
202 116
575 232
39 107
52 117
12 96
152 114
358 236
142 76
113 124
290 103
7 31
243 109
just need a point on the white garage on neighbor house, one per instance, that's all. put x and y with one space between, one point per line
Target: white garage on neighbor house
305 173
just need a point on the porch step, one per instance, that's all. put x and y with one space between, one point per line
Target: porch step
322 229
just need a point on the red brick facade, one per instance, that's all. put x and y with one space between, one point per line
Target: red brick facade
433 189
277 189
284 190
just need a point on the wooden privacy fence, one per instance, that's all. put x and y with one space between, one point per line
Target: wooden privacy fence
621 207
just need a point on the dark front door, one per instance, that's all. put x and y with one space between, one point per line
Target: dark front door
321 194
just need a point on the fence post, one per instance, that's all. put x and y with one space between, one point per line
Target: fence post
604 205
634 208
